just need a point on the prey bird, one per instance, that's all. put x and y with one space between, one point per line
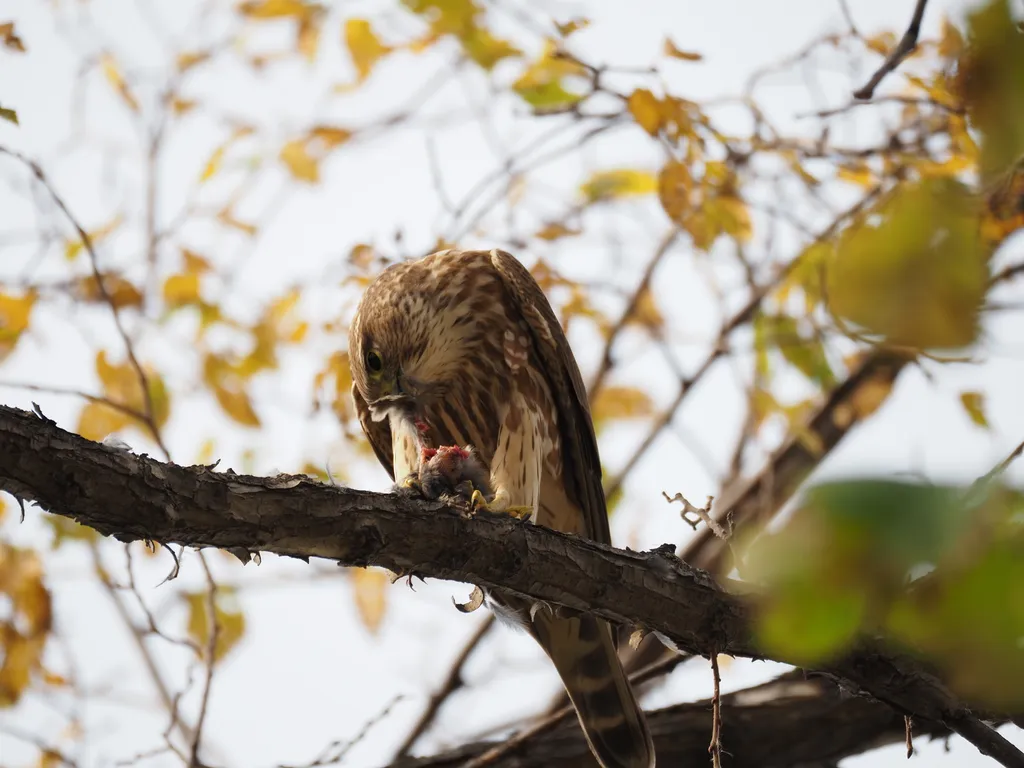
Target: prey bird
462 348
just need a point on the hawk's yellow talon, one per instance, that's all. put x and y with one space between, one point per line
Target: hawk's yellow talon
477 502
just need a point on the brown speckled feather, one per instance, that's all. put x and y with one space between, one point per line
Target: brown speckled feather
477 356
581 465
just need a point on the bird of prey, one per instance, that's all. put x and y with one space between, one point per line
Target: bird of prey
462 348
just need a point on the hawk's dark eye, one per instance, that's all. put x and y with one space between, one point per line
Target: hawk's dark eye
374 363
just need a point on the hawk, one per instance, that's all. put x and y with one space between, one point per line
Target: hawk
463 348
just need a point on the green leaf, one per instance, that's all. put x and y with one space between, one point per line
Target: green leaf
991 83
915 271
65 529
810 622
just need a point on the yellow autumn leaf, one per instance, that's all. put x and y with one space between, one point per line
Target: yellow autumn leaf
181 106
23 636
856 173
189 59
274 9
121 385
228 387
227 615
974 405
122 293
567 28
620 402
73 247
307 35
15 312
226 217
116 79
646 110
370 585
623 182
864 401
555 230
295 156
329 136
180 290
334 383
194 263
214 163
364 46
670 49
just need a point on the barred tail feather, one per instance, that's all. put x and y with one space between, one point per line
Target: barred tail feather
582 651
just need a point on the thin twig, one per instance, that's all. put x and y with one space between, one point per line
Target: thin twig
213 627
634 300
90 249
336 751
906 46
715 747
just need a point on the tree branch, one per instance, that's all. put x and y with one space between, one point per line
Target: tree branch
135 497
789 721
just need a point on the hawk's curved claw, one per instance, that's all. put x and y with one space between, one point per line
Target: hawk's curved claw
410 486
477 502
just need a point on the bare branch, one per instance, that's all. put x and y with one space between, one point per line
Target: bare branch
905 47
136 497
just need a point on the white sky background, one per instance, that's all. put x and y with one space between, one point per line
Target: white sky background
308 672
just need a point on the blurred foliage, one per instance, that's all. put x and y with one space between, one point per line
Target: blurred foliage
899 252
938 569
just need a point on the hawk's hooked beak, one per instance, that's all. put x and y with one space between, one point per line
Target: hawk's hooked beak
395 395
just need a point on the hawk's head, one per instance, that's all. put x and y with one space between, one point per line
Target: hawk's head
411 335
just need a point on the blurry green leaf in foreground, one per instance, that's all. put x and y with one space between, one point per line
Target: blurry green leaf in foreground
831 569
991 84
920 564
915 270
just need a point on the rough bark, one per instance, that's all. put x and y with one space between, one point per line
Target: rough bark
791 722
136 497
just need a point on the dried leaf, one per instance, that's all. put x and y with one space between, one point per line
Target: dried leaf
646 110
621 403
974 404
10 38
114 76
73 247
670 49
23 636
229 387
555 230
227 217
370 586
227 615
122 293
573 25
9 114
188 60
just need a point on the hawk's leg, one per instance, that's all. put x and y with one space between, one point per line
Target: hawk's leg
477 503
